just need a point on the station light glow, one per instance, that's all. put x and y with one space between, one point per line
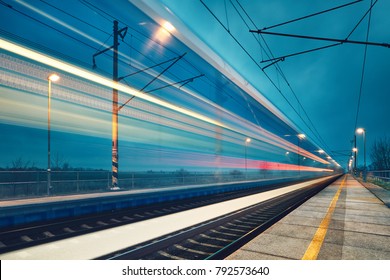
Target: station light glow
168 26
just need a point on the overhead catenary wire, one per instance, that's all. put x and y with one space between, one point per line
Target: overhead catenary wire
57 30
365 43
73 36
283 57
363 70
313 128
251 57
312 15
108 17
323 47
95 48
207 79
47 25
322 38
235 39
315 133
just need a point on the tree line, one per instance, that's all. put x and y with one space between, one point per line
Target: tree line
380 154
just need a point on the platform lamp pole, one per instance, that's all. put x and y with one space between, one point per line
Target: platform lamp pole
51 78
355 151
363 131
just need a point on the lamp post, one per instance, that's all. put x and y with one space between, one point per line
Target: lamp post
363 131
51 78
355 150
247 141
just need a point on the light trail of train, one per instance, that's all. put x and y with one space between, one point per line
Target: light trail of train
80 92
92 91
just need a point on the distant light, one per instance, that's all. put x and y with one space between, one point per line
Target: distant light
301 136
287 153
354 150
360 130
168 26
328 157
53 77
321 151
248 140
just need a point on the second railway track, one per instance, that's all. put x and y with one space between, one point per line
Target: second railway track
218 238
210 239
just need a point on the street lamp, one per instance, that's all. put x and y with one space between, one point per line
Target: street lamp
301 136
355 150
51 78
247 141
363 131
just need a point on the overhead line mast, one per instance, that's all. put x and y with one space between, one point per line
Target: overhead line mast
122 33
115 107
114 184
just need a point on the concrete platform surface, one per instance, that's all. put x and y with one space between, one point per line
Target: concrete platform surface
345 221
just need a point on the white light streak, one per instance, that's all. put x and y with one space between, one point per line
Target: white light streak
28 53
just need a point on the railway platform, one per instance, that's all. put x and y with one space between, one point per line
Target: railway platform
345 221
128 235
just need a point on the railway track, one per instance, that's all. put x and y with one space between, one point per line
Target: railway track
16 238
219 238
206 240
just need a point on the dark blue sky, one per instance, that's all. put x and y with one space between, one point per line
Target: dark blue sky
326 83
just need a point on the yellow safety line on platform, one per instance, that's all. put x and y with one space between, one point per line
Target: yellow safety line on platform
318 238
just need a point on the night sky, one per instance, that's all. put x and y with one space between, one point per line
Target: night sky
326 83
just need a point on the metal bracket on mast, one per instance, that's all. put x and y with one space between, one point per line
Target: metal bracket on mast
155 78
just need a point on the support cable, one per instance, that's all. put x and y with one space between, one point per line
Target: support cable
145 69
110 17
268 77
312 15
182 83
324 47
282 58
387 45
154 78
363 70
280 71
47 25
